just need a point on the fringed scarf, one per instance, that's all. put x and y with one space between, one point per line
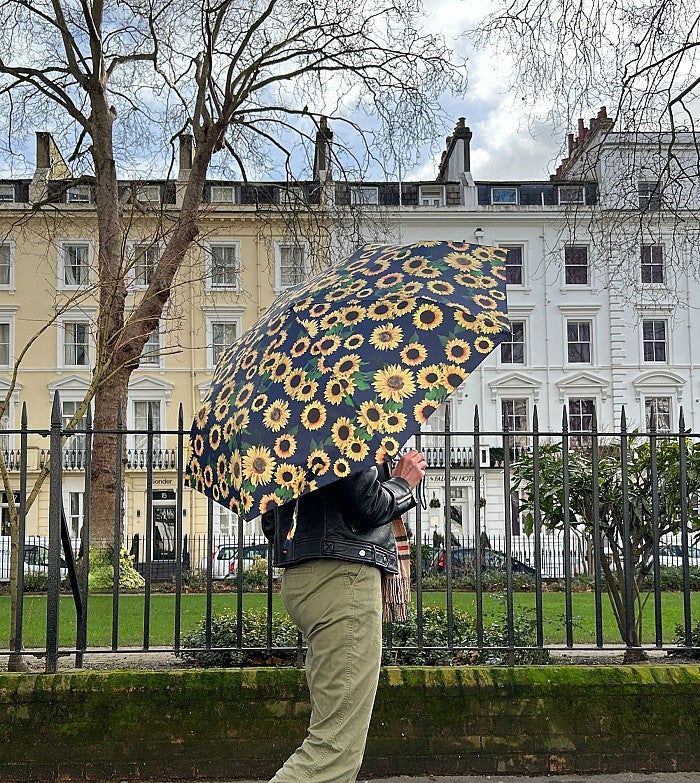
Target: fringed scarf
396 588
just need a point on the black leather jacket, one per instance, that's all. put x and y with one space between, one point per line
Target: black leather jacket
346 520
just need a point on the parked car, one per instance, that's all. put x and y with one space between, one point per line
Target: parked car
225 559
36 558
672 555
464 561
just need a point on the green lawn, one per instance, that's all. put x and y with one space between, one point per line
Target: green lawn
194 607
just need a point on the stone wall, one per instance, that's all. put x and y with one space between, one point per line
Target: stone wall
207 724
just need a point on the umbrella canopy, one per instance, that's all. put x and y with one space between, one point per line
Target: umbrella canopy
343 369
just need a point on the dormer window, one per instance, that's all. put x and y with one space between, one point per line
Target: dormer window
431 196
222 194
504 195
364 196
78 194
148 194
572 194
292 196
7 193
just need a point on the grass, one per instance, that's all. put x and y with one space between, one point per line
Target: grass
162 613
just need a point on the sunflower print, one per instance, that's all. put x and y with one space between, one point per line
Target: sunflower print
343 368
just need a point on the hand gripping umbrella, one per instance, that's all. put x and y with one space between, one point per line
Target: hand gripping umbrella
343 369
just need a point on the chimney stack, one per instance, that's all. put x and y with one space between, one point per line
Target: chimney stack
322 151
186 154
456 159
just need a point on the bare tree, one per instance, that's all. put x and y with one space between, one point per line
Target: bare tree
641 62
119 79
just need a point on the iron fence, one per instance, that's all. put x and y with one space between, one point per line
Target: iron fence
610 513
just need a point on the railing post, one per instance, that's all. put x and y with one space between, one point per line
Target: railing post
22 527
55 509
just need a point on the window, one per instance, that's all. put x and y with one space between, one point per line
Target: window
222 194
145 262
292 196
514 264
76 443
5 265
654 340
78 194
223 334
75 513
513 350
151 352
224 265
571 194
4 431
652 264
291 262
578 342
504 195
5 344
364 196
224 522
649 196
431 196
148 194
514 418
580 420
76 264
76 336
576 265
661 407
141 410
7 192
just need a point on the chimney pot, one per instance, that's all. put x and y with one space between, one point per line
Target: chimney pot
186 151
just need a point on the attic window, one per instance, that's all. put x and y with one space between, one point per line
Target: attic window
504 195
292 196
78 194
431 196
571 194
222 194
364 195
148 194
7 192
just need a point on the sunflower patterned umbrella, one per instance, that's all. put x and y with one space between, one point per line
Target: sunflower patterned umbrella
343 369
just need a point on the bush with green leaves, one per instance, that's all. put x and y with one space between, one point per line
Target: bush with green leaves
224 634
679 639
464 638
101 574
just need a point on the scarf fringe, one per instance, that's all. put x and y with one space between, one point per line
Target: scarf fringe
396 588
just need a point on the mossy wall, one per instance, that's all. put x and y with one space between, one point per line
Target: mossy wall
207 724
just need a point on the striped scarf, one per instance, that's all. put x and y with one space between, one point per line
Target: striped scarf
396 588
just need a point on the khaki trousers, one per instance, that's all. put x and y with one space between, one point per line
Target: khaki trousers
337 606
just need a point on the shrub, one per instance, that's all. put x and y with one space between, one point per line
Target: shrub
223 634
101 574
464 638
672 578
36 583
679 639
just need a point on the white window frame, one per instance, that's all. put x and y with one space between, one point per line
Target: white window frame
134 245
504 203
516 436
220 190
292 196
5 436
134 437
9 189
577 286
84 316
591 340
78 194
158 363
209 283
281 245
431 193
221 512
647 399
364 195
63 246
580 433
667 340
524 322
566 201
220 316
652 263
10 245
8 317
656 192
77 441
523 265
148 194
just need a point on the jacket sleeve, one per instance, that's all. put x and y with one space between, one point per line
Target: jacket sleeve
366 502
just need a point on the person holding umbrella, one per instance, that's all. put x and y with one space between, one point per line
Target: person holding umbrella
305 413
331 588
